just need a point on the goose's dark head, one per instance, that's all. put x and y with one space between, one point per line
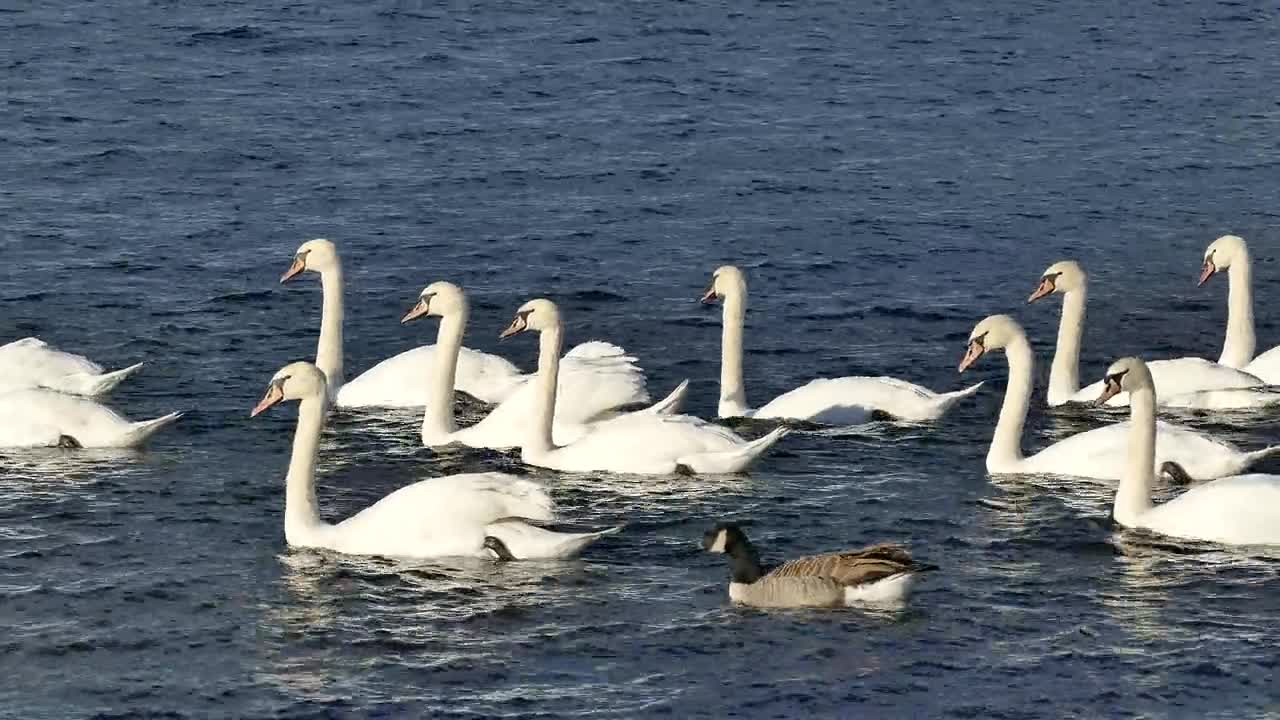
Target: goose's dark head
724 538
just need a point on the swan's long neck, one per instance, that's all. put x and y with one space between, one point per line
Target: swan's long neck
733 396
438 420
1064 374
1006 444
539 439
1237 351
1133 497
329 348
301 511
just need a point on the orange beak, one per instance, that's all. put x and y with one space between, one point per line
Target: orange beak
417 311
518 325
1206 272
1109 390
294 270
1045 287
273 396
971 355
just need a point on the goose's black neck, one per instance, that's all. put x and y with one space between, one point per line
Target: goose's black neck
744 562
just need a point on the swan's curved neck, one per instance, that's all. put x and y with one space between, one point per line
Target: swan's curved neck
1006 444
733 396
438 420
1064 374
1133 497
301 511
329 347
1238 349
538 441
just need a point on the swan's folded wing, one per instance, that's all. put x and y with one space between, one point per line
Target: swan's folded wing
34 356
850 567
473 500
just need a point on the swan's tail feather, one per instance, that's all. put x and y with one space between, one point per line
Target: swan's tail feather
574 543
671 404
736 460
141 432
96 385
530 542
949 399
1257 456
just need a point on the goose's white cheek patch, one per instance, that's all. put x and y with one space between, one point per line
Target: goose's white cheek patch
718 545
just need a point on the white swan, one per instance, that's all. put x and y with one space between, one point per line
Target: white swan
45 418
588 389
1183 382
1231 253
442 517
832 401
33 363
1238 510
398 381
1099 453
641 443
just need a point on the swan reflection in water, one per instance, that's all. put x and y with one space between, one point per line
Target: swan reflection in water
332 612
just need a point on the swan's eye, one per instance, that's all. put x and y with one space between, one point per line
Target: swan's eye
524 315
980 341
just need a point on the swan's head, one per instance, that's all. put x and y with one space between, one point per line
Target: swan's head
437 299
538 315
295 381
992 333
1124 375
317 255
1220 254
724 538
1060 277
726 281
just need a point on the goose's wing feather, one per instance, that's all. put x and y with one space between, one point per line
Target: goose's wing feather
853 567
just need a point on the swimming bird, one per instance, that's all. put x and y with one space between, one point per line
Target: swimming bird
876 575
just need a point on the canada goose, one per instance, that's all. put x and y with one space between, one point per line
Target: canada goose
877 575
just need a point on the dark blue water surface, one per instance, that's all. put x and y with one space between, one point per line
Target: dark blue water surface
888 174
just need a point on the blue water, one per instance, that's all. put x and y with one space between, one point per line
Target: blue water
887 173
